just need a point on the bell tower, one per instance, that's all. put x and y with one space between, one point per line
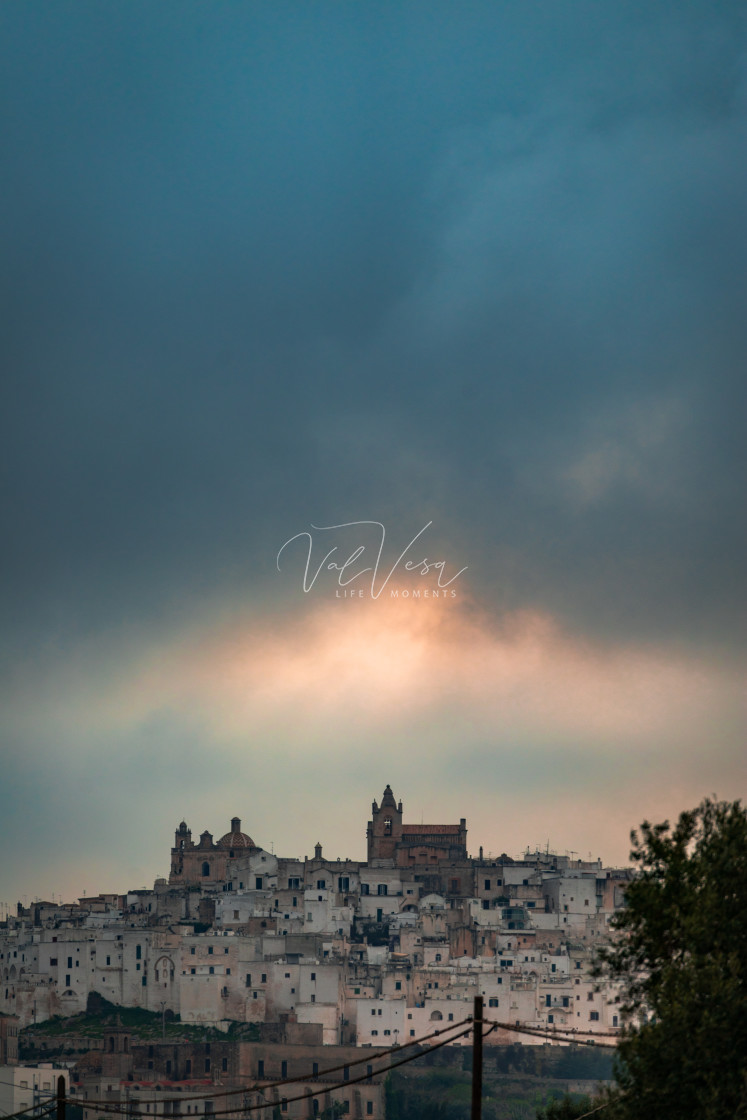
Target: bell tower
385 829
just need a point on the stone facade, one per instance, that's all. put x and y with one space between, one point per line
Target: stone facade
409 845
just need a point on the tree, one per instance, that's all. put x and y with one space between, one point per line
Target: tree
681 957
566 1108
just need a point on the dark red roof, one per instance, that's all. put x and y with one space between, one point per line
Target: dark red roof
429 829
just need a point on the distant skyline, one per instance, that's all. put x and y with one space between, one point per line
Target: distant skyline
471 273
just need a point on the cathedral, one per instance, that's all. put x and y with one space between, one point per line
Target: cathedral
207 862
410 845
390 844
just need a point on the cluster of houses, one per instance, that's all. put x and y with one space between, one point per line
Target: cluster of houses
332 955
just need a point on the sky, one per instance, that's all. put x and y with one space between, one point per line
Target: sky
304 299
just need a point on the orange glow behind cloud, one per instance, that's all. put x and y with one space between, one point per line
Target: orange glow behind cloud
364 662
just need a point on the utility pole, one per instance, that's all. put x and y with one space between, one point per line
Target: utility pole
60 1098
476 1113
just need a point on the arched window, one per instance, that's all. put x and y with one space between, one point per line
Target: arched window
388 826
436 1015
205 869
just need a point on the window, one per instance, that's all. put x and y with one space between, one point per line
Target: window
365 889
264 978
315 1069
594 1016
487 884
589 995
108 961
67 981
284 1069
321 884
69 961
398 985
343 883
313 976
260 1068
248 979
374 1032
258 882
192 950
283 1105
139 952
551 1018
381 889
294 884
346 1073
205 870
492 1002
188 1066
454 886
369 1108
211 970
207 1069
53 960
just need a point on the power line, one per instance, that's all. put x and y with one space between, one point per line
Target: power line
24 1111
565 1035
113 1108
324 1073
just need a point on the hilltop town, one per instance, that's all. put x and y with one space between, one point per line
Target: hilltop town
290 965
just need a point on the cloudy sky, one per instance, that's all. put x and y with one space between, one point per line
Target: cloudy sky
472 275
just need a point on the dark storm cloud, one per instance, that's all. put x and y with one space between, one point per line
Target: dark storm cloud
270 266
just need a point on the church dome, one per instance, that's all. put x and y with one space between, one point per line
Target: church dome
236 838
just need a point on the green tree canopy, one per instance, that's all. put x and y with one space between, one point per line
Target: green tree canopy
681 955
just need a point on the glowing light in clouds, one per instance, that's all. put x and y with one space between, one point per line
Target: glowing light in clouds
365 660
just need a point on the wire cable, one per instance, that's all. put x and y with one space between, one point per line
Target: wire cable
323 1073
113 1108
563 1035
24 1111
